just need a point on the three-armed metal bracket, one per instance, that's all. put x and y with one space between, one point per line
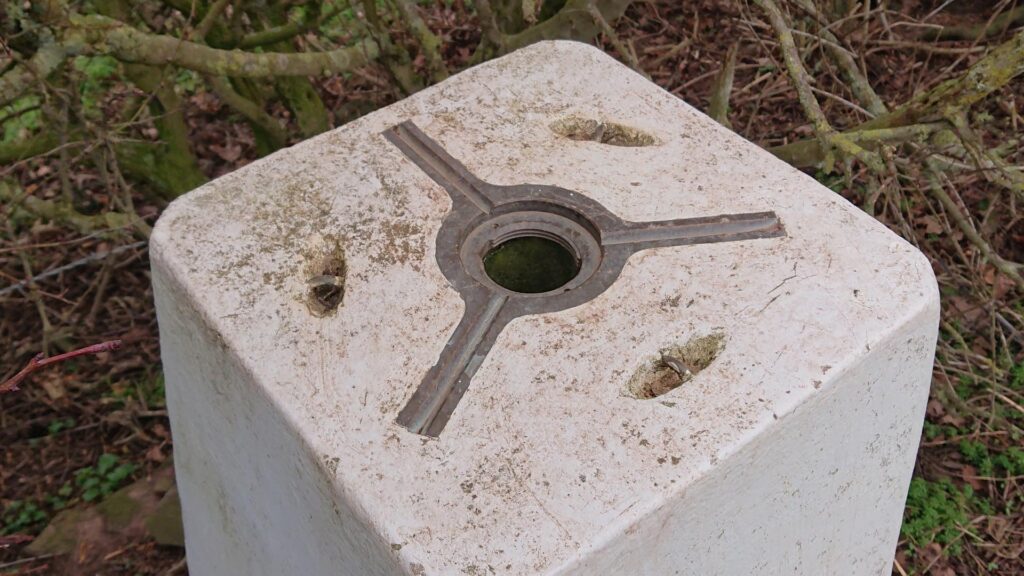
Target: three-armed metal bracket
484 216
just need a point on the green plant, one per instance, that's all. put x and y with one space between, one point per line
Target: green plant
21 118
102 479
60 424
148 390
965 387
1017 376
59 501
96 71
21 516
1009 462
940 512
188 81
832 181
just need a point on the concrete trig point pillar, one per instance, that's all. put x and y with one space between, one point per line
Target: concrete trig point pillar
541 319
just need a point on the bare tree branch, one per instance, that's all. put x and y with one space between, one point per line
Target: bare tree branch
997 25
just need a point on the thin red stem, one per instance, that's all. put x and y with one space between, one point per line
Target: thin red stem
38 361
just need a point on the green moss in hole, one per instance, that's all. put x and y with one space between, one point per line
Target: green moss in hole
531 264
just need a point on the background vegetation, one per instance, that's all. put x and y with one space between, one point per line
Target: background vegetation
111 108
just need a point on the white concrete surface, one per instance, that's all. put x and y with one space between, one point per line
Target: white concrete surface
790 454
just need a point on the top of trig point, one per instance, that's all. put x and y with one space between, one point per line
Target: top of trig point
507 431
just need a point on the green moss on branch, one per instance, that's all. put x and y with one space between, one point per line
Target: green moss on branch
101 35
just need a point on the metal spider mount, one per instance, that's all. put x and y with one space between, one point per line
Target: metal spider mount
484 216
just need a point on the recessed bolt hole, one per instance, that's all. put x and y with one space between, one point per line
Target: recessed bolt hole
611 133
531 264
327 289
674 366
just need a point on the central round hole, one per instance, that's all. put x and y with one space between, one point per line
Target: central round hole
531 264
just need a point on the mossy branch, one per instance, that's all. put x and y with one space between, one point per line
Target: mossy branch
718 108
613 38
43 63
990 73
997 25
286 31
920 116
62 213
96 34
101 35
573 22
809 153
831 140
428 41
250 110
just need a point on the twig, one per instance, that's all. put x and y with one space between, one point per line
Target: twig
613 38
671 53
12 539
718 108
858 82
20 286
101 288
37 300
831 139
997 25
883 45
21 561
843 101
39 361
1010 269
993 168
177 567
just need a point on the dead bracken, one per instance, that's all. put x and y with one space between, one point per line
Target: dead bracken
674 366
589 129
